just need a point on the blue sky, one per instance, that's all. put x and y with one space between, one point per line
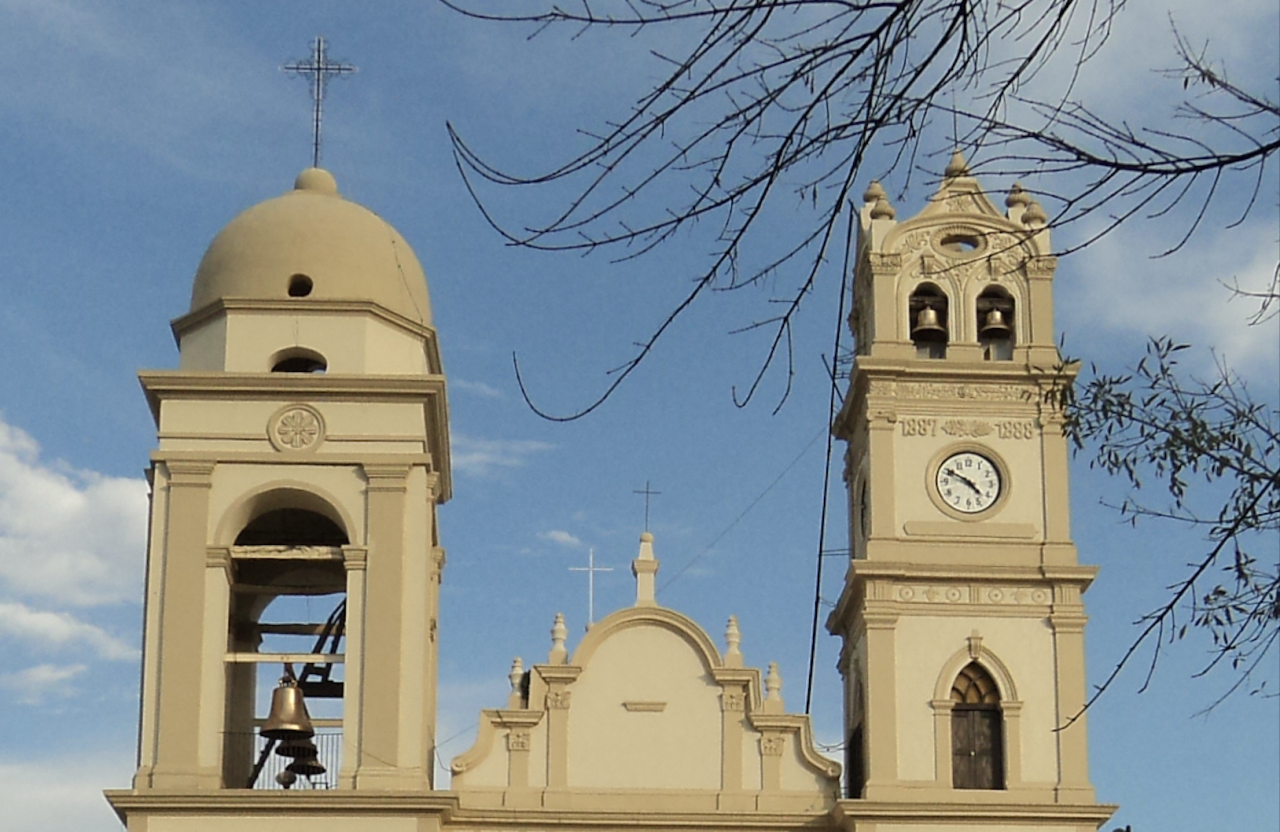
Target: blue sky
134 131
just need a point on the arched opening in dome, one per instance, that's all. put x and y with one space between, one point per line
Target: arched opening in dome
298 360
300 286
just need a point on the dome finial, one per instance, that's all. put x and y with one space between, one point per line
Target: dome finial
316 180
957 166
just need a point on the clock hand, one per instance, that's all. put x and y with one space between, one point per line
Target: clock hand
963 479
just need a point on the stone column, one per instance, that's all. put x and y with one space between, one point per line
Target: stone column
381 677
181 649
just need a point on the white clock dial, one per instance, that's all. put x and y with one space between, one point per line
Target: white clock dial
968 482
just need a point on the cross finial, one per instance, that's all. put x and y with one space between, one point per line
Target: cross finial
319 67
647 495
591 569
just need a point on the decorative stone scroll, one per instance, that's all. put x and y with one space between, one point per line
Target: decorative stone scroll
966 427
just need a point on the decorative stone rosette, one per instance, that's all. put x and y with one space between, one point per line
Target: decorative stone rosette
296 427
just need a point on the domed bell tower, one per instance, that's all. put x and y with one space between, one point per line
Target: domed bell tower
961 616
294 560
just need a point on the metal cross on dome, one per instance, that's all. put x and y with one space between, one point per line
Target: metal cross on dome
648 494
319 68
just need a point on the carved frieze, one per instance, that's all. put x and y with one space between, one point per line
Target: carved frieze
972 594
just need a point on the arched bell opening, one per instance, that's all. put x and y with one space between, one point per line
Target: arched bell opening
286 648
995 320
927 313
977 731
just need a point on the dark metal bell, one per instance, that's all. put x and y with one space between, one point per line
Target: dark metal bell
928 327
297 748
288 719
306 766
994 326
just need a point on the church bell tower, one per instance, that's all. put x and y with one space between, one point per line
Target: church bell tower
293 560
961 616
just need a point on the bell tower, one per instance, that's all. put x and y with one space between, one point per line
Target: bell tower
961 616
302 452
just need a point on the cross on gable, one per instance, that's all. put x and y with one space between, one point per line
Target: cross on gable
591 569
320 69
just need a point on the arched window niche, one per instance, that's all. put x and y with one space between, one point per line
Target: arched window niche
977 725
298 360
927 317
287 617
977 731
995 321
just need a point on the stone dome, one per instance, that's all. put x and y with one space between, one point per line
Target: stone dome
310 243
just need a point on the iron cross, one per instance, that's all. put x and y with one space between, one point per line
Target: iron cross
647 495
320 68
591 569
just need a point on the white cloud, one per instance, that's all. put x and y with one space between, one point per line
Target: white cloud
60 794
561 537
34 685
476 388
74 536
480 457
60 629
1119 287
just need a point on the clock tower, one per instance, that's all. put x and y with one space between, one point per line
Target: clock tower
961 615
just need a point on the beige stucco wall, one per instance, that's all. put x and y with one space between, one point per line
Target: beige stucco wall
1023 645
678 747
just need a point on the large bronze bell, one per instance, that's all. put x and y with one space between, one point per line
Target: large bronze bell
994 326
288 719
928 327
306 766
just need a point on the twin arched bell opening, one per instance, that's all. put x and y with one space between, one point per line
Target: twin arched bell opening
928 326
994 325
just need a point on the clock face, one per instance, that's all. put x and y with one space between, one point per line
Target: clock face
968 482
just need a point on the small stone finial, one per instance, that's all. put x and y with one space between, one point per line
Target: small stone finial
732 638
1034 216
645 568
516 700
773 690
882 210
874 193
558 655
957 166
1017 196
